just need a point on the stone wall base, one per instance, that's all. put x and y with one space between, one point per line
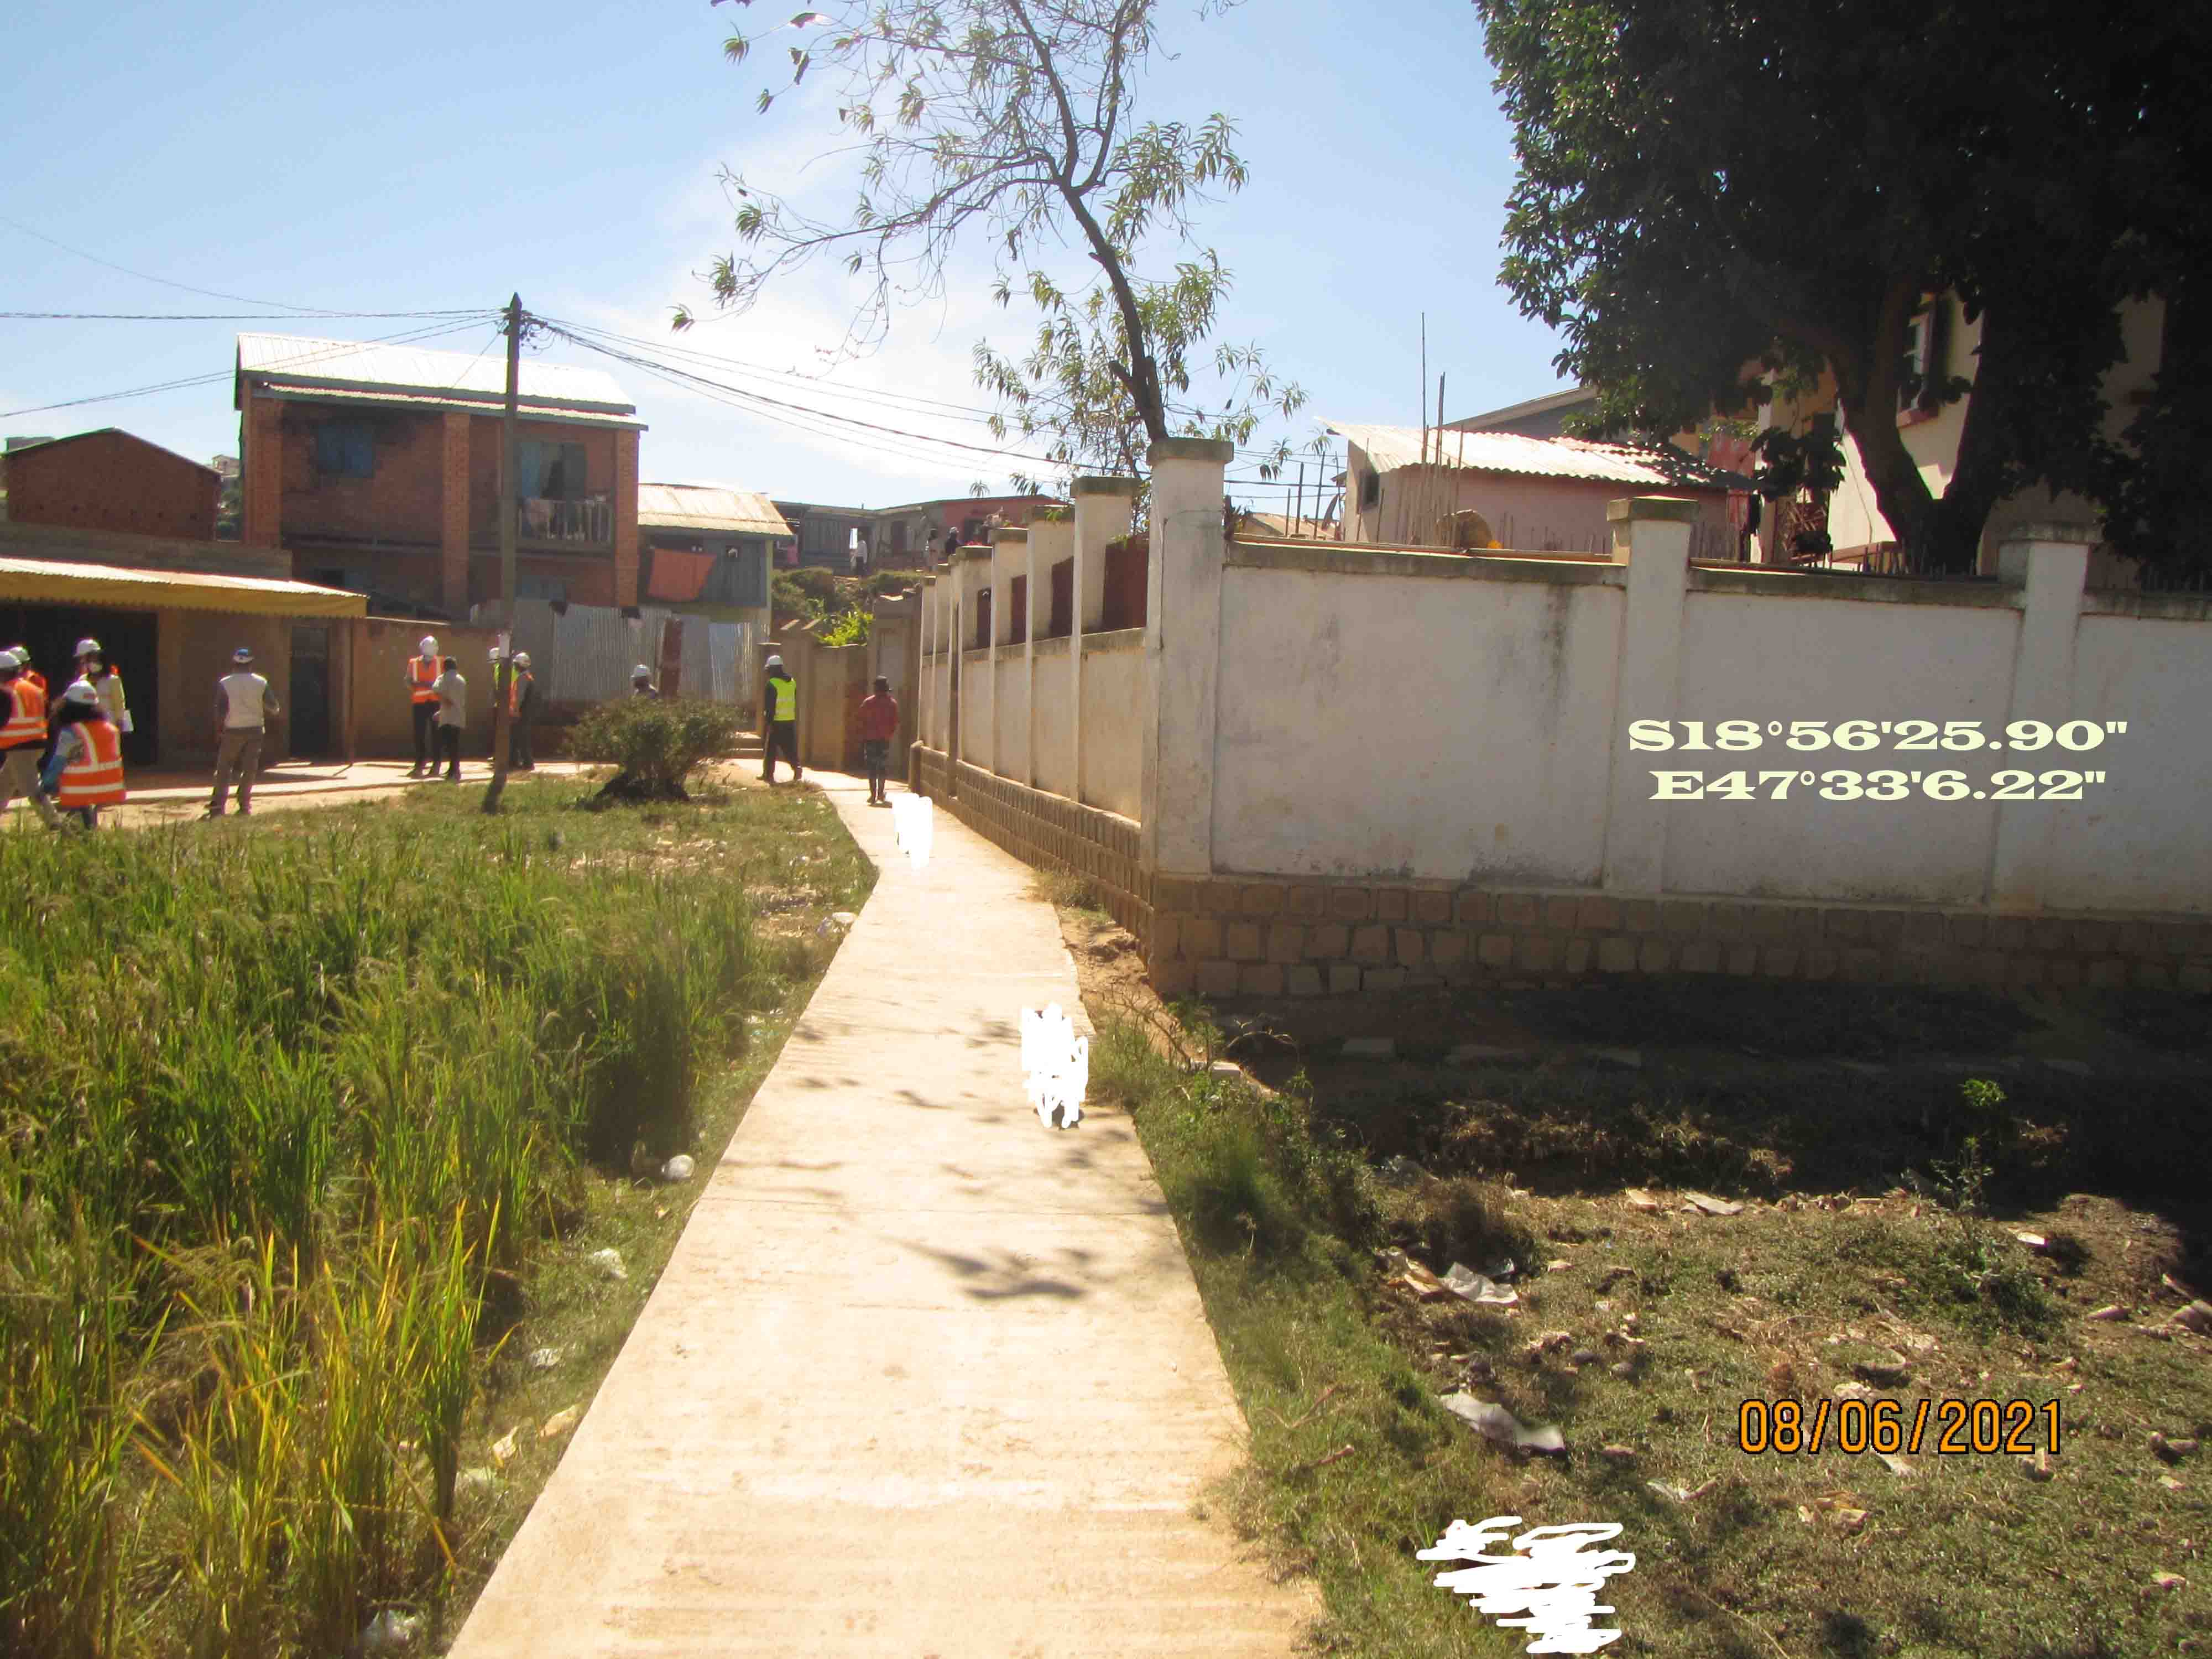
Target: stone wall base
1229 937
1226 938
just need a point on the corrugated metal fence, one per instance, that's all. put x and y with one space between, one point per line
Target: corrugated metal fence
586 653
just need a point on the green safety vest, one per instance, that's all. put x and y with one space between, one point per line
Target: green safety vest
786 699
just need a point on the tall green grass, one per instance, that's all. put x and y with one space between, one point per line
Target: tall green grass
271 1105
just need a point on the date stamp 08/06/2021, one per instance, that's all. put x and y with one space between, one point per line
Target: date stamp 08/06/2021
1945 1427
1948 738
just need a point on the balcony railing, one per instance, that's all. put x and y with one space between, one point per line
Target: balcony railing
590 521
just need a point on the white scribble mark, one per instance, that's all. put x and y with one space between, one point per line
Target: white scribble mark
912 823
1056 1065
1548 1586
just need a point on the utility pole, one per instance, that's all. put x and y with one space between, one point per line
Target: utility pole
502 679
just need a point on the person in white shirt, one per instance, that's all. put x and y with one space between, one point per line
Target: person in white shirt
244 705
453 691
92 665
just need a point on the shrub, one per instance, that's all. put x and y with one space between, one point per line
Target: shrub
808 592
654 743
850 629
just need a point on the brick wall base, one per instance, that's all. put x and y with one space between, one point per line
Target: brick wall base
1049 831
1226 938
1229 937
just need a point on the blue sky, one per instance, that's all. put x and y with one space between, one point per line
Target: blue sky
411 157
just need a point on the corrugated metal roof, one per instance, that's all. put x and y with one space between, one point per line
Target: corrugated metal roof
543 414
173 590
1391 447
377 365
709 506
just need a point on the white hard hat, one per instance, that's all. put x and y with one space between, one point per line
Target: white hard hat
522 660
80 691
9 659
640 672
427 645
88 648
775 662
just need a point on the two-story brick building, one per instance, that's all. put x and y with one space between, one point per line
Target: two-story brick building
378 467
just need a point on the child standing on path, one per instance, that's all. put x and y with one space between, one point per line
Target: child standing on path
879 725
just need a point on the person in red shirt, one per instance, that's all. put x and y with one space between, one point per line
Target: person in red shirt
879 725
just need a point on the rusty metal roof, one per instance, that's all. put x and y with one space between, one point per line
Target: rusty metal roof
450 376
53 581
708 506
1390 447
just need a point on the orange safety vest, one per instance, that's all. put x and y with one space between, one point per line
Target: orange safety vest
423 671
96 780
27 715
514 692
36 678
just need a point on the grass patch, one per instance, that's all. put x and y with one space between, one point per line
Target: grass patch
1354 1466
1069 890
308 1127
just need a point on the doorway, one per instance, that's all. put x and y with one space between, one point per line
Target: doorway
128 638
311 690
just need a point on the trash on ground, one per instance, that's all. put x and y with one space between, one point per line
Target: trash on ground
2196 1316
1897 1466
503 1448
561 1422
1465 1282
1637 1199
2110 1313
844 918
1681 1495
609 1262
678 1168
389 1633
1055 1067
1493 1422
544 1360
1838 1509
1705 1204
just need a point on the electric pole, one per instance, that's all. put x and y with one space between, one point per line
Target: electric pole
510 507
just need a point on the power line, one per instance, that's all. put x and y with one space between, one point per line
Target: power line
221 316
209 292
668 370
404 337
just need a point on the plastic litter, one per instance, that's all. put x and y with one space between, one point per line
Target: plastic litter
609 1261
1055 1067
1493 1422
678 1168
503 1448
388 1632
1705 1204
561 1422
1482 1288
544 1360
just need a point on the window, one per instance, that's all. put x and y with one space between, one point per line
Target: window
1927 351
345 449
540 587
549 471
1370 490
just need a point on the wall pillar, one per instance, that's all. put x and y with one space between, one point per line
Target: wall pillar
454 514
261 506
925 683
1102 512
1182 653
1009 553
2049 563
1651 537
626 518
1050 541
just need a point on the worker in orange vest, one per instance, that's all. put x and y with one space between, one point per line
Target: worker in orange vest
30 674
23 738
422 672
86 772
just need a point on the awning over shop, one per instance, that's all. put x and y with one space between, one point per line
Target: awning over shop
53 582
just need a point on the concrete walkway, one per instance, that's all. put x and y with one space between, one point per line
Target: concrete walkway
923 1378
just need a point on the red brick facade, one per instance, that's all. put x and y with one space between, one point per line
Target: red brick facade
425 520
109 480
